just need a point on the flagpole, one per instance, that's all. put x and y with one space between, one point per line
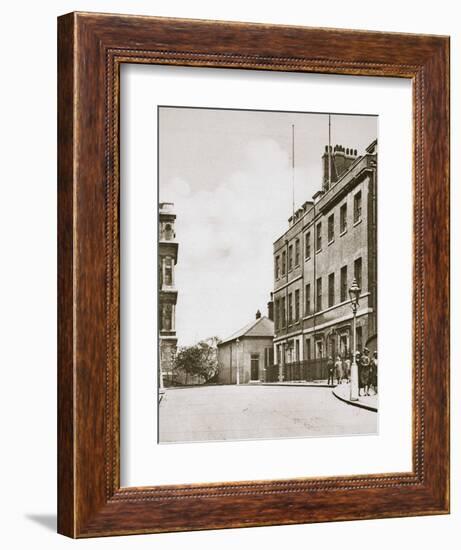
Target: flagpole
293 164
329 151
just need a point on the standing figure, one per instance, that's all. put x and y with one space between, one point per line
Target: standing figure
365 372
331 369
374 372
338 369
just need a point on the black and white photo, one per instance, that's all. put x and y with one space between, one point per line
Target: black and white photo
267 274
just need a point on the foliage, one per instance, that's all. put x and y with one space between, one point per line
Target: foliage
200 359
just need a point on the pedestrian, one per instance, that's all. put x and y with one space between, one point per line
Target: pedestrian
358 362
347 369
365 372
339 369
374 372
331 370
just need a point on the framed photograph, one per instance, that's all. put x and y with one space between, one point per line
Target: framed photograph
252 218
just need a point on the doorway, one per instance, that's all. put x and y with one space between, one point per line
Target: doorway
255 366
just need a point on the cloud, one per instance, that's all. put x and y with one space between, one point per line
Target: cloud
226 234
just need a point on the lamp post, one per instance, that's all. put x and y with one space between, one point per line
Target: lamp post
354 295
238 367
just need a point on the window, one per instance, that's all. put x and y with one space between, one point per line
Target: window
297 350
331 228
296 305
357 207
343 218
308 348
343 345
277 267
319 349
268 356
319 237
276 313
331 290
319 294
168 272
169 234
297 252
282 313
358 271
166 319
290 257
290 307
308 299
358 336
288 352
307 245
284 262
343 297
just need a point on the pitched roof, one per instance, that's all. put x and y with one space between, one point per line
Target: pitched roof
258 327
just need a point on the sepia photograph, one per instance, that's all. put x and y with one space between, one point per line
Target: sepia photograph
267 274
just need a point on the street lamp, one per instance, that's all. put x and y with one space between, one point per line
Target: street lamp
354 295
238 368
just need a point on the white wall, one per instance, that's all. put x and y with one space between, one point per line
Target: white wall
28 270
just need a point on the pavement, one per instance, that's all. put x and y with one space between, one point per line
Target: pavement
368 402
256 411
312 384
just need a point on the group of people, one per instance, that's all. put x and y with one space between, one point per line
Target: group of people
367 367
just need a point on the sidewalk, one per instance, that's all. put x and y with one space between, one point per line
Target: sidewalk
369 402
297 383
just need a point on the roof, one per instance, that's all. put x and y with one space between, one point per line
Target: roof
258 327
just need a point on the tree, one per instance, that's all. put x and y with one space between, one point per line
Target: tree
199 360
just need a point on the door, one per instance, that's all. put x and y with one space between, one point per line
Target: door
255 366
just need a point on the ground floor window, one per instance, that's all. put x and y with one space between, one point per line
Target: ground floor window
359 341
319 349
268 356
308 348
344 345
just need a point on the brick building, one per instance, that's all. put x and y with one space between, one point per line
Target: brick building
329 241
167 293
250 350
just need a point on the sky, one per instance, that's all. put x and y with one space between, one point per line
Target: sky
229 174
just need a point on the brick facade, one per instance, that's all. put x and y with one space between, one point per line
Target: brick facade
330 240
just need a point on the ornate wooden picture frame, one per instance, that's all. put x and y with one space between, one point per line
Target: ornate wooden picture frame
92 47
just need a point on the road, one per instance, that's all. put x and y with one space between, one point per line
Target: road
217 413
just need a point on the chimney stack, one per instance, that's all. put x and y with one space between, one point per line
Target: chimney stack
270 307
341 160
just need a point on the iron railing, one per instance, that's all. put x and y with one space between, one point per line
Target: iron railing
298 371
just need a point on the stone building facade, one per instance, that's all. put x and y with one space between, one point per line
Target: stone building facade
250 350
330 240
167 293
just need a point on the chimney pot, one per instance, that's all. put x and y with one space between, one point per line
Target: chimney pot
258 314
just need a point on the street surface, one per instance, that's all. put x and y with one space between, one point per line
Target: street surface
217 413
